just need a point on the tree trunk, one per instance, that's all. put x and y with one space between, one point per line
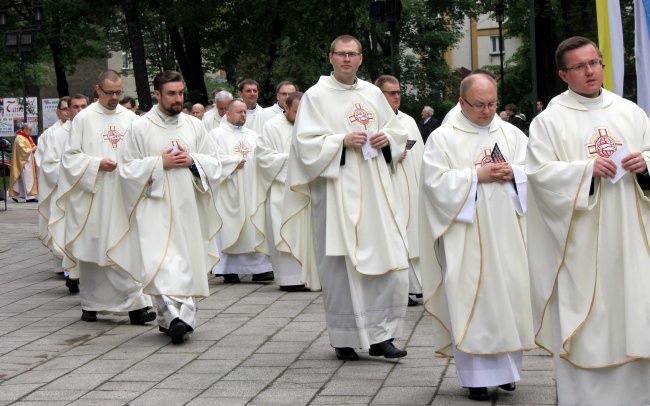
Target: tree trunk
137 54
197 91
59 70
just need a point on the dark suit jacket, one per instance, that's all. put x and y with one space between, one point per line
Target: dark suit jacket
426 129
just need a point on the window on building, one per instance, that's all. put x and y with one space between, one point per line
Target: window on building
496 49
125 60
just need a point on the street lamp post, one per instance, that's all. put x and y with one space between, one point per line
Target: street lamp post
20 41
499 15
389 11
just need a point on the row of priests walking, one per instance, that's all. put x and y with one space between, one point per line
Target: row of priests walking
513 242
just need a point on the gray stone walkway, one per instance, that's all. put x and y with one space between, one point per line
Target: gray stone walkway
254 345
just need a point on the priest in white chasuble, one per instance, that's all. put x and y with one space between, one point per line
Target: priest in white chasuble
472 241
62 116
48 183
243 245
339 186
406 181
81 224
588 222
272 155
169 172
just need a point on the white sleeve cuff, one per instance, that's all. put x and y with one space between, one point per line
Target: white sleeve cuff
467 213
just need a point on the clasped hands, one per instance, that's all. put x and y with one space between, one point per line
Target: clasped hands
176 158
495 172
606 168
356 139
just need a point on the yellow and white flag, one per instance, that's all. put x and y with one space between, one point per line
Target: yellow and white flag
610 42
642 52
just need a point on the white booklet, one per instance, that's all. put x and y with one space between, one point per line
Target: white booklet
367 150
617 157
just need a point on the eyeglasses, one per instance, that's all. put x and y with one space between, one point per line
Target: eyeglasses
392 92
581 67
481 106
117 93
346 54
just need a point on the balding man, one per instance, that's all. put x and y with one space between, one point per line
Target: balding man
212 118
198 111
428 122
243 244
472 246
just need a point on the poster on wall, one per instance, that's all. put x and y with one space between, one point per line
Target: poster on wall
48 107
12 108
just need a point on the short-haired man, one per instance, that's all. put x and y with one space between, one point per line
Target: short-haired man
48 181
406 180
62 117
86 187
169 177
271 155
472 247
282 91
23 178
428 123
213 117
587 164
128 102
198 111
249 92
347 139
243 244
515 117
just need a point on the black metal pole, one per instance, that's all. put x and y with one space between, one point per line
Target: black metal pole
501 61
22 67
533 57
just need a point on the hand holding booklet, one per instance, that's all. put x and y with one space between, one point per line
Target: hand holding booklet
617 157
367 150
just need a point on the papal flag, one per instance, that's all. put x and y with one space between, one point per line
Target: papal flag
642 52
610 42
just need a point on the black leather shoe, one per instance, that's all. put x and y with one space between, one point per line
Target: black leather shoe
88 315
142 316
346 354
163 330
263 277
480 394
294 288
31 201
508 386
386 349
178 330
72 284
231 278
412 302
14 199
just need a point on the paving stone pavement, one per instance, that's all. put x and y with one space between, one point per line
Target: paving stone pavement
254 345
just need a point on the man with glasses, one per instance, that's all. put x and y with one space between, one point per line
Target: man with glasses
87 183
588 235
283 90
472 247
406 179
347 140
62 117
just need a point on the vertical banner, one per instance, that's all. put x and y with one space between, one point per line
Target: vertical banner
48 108
642 52
610 42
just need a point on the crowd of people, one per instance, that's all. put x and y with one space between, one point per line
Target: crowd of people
512 242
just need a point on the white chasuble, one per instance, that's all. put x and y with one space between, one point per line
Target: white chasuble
85 193
590 237
165 234
271 155
241 233
363 219
48 177
43 142
474 270
406 180
255 119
